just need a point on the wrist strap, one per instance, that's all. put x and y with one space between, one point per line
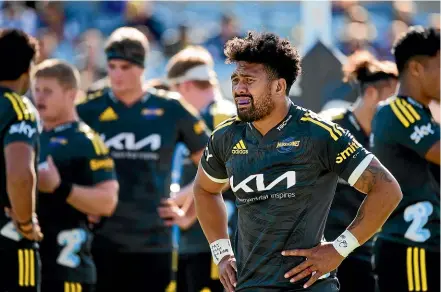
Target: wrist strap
345 243
63 190
30 222
221 248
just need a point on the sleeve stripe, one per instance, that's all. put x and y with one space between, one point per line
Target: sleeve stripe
358 171
216 180
405 111
412 110
98 145
327 128
14 103
220 127
23 107
399 115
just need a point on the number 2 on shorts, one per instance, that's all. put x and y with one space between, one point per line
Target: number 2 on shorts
418 213
72 241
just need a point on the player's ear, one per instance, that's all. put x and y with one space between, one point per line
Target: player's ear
73 93
414 67
280 86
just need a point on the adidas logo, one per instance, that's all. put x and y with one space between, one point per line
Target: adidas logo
108 115
240 148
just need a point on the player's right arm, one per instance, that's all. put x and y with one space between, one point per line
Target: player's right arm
211 179
20 140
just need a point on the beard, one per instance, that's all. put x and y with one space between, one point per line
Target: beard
257 110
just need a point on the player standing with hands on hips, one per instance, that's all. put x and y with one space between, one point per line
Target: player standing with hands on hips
282 163
19 135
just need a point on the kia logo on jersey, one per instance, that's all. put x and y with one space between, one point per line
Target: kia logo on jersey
289 176
127 141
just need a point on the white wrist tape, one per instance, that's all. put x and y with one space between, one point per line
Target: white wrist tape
220 248
345 243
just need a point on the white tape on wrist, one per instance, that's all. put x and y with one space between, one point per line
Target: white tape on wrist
345 243
221 248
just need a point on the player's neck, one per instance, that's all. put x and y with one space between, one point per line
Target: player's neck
67 118
14 85
130 97
412 91
274 118
364 115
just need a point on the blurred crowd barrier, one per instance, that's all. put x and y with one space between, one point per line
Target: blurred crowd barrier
76 31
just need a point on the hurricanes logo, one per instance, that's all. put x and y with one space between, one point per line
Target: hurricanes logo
342 156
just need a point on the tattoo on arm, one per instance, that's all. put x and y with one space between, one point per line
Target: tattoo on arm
373 174
358 218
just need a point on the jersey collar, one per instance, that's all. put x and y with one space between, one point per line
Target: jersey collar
63 127
113 98
412 101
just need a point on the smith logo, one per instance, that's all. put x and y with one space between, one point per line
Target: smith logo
127 141
420 132
96 164
347 152
288 144
23 128
290 177
240 148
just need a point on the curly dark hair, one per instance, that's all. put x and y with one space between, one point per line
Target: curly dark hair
417 41
17 51
281 59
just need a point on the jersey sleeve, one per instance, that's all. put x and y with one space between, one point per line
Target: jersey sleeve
99 165
339 151
213 162
411 127
23 120
192 130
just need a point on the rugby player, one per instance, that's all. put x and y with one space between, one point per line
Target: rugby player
375 81
190 73
76 178
282 163
19 130
141 128
407 140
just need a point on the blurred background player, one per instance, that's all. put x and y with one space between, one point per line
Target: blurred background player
76 178
141 129
20 262
190 72
375 81
407 140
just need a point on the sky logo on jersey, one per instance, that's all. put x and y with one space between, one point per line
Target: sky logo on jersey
108 115
23 128
342 156
240 148
55 141
287 145
420 132
152 113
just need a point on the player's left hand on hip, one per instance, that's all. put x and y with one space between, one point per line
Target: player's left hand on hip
48 177
320 260
172 214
